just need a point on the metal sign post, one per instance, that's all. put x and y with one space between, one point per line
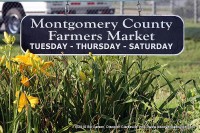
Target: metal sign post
67 8
139 8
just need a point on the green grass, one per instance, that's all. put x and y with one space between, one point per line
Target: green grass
192 33
185 65
189 23
192 30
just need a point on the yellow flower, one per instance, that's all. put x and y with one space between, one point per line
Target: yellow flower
28 59
33 56
22 102
33 101
45 66
25 81
35 62
25 100
82 76
8 39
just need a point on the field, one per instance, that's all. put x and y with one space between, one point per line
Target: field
62 94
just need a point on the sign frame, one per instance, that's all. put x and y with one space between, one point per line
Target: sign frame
107 54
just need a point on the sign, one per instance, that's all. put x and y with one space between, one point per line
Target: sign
105 35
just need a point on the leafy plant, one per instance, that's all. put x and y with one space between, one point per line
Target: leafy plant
90 94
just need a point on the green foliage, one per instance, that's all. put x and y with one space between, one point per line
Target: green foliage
119 91
114 91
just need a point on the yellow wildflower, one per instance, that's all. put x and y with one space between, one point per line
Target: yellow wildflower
33 101
35 62
33 56
8 39
25 100
82 76
23 59
45 66
22 102
25 81
28 59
